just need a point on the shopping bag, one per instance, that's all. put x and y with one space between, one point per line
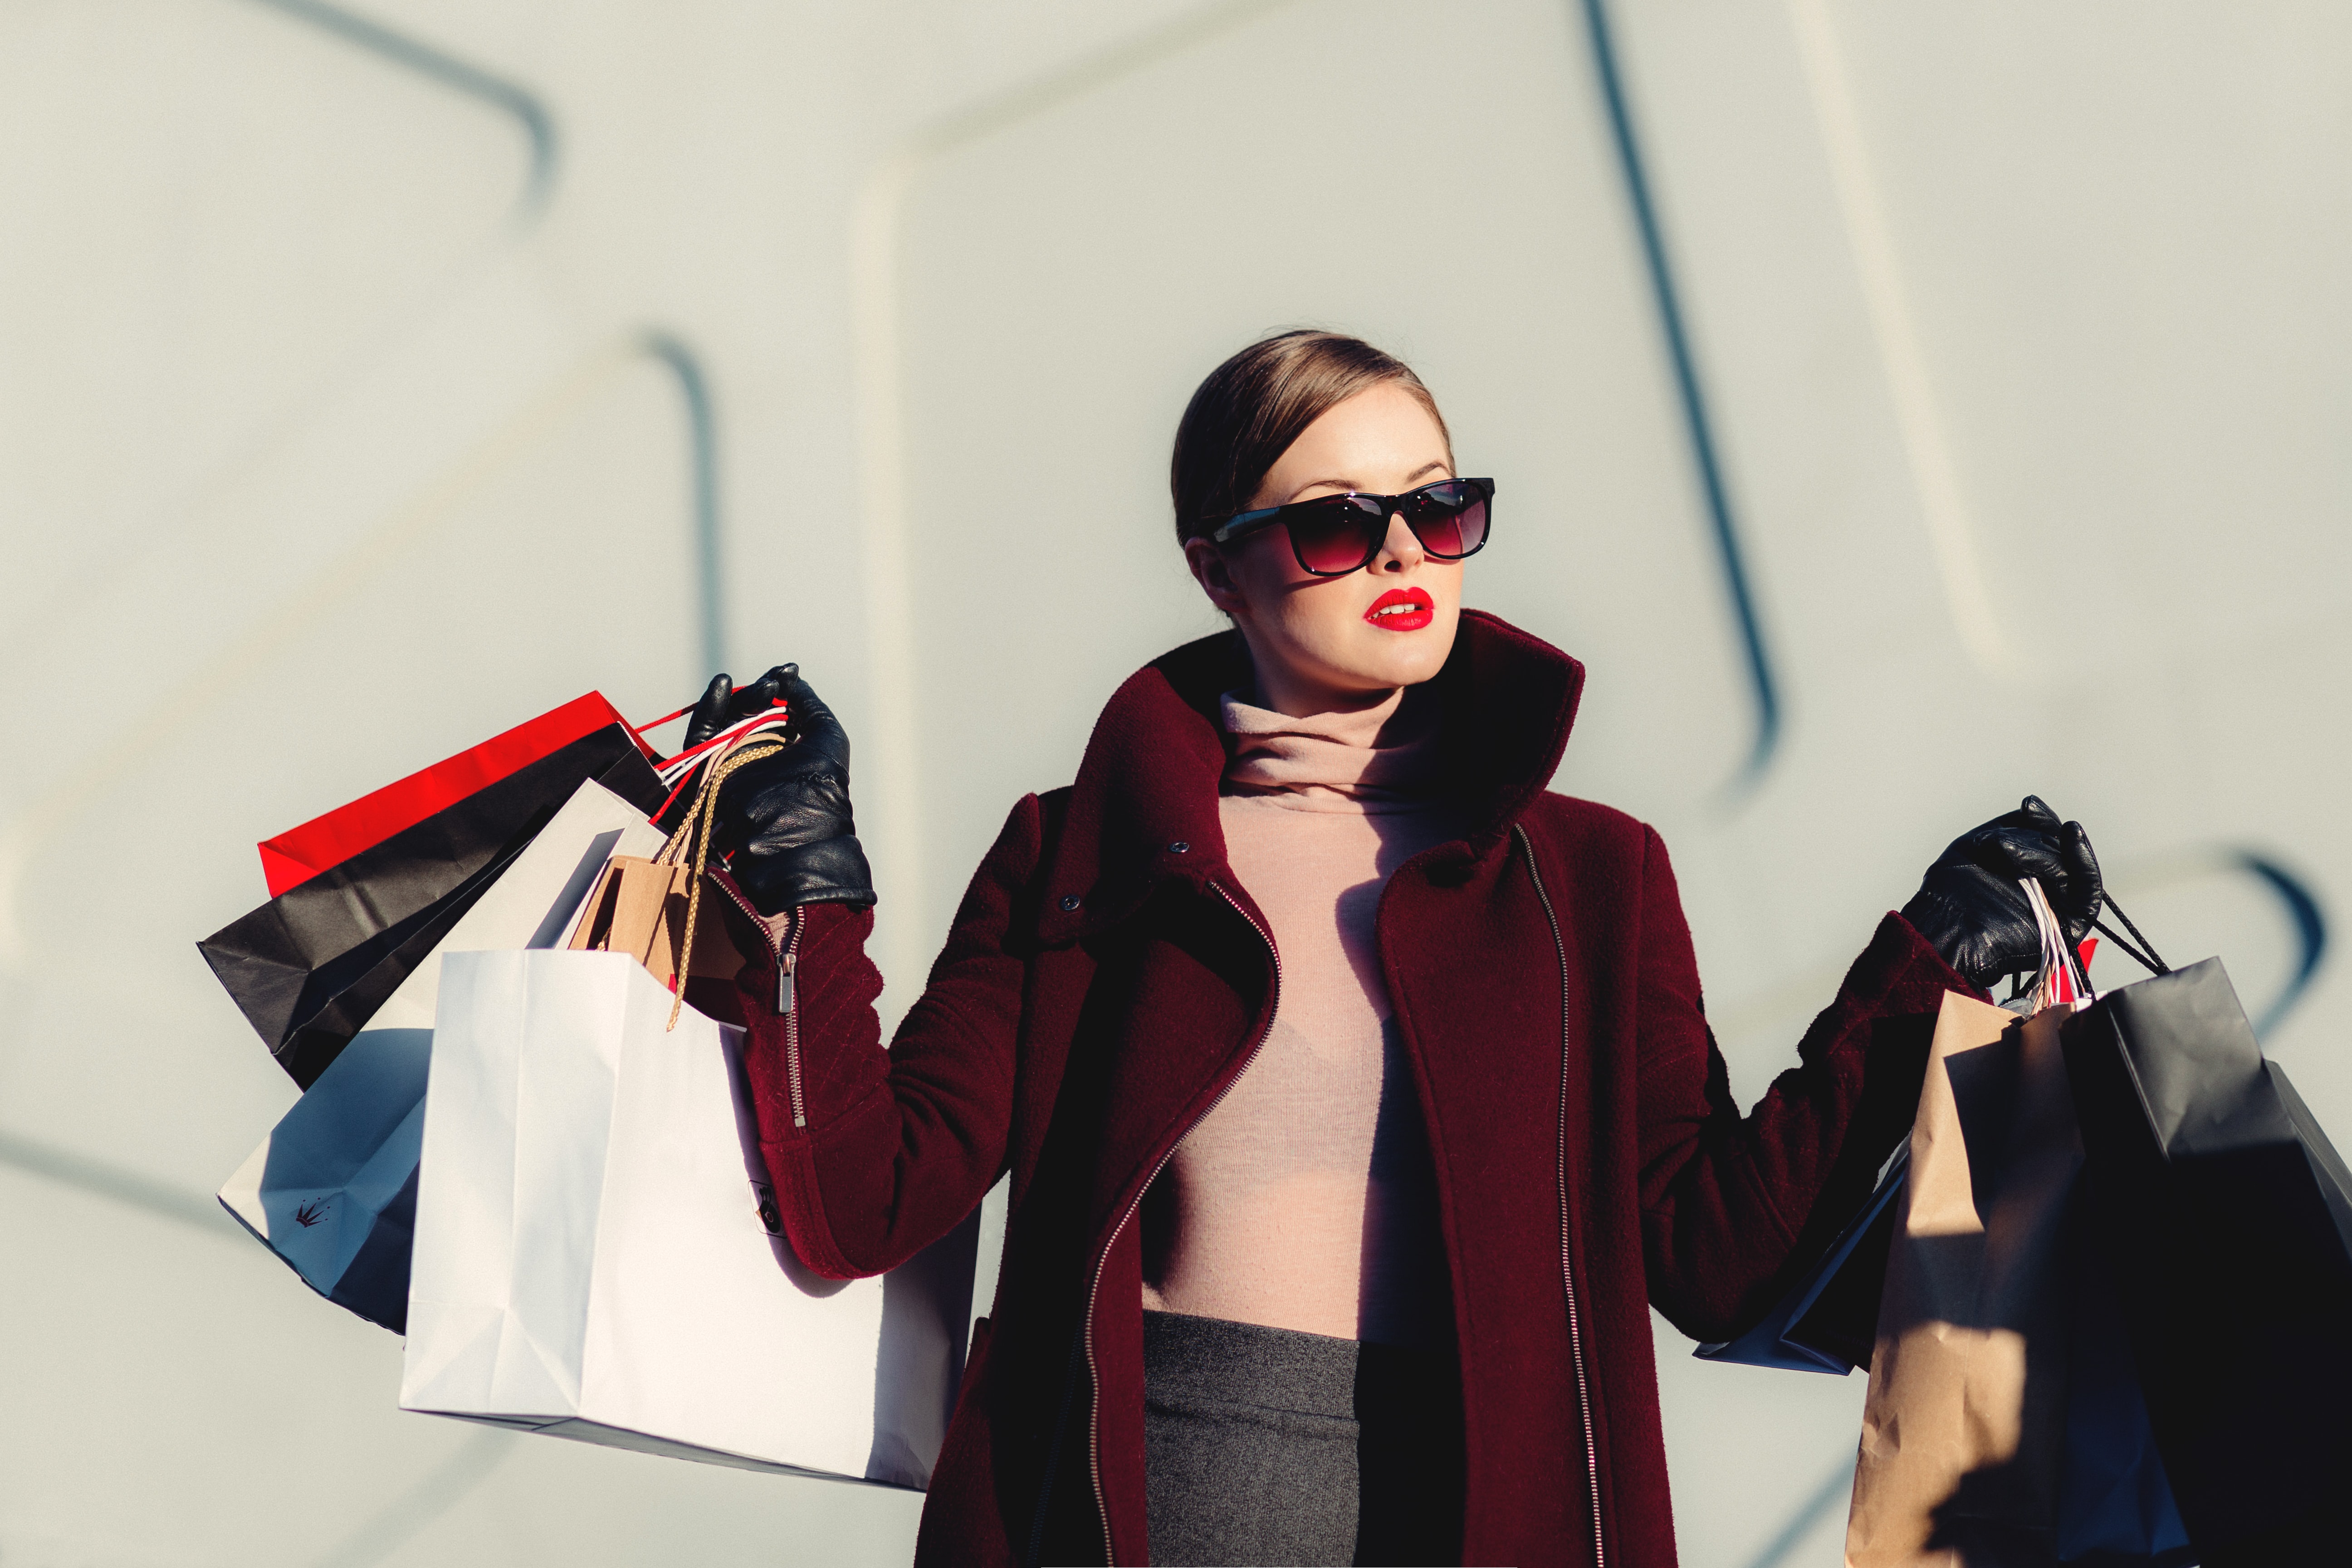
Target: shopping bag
651 908
312 966
1828 1320
2115 1507
592 1260
299 854
1964 1422
332 1189
645 907
2224 1217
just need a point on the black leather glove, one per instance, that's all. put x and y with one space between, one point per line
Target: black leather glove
1972 911
722 705
785 819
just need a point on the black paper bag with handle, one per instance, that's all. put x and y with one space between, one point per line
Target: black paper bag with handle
2224 1217
308 968
1828 1319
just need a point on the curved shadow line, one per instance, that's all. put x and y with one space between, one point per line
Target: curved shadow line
71 1169
703 434
2303 910
450 71
1809 1513
1766 689
2310 930
179 703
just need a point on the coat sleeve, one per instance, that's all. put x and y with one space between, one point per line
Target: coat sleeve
1733 1207
875 1153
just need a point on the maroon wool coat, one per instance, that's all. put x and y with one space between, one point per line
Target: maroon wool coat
1107 978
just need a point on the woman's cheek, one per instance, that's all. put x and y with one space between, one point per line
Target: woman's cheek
1341 624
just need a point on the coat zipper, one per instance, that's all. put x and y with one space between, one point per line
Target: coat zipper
1567 1267
1102 1261
787 970
787 959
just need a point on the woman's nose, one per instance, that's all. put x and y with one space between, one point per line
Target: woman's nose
1401 551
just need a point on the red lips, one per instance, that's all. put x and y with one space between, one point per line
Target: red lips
1402 610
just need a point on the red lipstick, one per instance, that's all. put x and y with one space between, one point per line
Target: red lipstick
1402 610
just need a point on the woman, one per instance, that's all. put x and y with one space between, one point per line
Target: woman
1357 1093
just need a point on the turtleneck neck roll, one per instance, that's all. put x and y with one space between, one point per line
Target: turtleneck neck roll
1382 758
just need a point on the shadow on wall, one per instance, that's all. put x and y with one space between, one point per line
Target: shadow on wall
537 125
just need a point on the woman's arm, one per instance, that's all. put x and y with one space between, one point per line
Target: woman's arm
1726 1199
1732 1205
875 1153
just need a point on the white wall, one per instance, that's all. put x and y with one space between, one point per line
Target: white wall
346 362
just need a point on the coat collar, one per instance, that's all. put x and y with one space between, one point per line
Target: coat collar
1144 806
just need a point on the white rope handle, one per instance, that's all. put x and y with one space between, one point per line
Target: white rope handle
2061 979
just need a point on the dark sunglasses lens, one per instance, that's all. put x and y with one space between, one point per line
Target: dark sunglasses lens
1450 520
1333 536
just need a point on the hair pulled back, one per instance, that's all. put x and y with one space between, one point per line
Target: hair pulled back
1253 406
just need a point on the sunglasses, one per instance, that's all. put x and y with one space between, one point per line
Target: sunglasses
1334 535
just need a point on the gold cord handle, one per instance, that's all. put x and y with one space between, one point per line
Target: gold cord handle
700 817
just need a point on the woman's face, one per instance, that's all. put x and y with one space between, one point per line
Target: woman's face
1327 644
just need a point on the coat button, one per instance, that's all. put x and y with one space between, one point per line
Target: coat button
1180 847
1069 900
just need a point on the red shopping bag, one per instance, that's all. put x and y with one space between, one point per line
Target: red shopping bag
299 854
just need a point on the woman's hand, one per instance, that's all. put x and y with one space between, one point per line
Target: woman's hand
785 819
1972 911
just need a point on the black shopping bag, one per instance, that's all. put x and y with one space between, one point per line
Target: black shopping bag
2224 1219
309 967
2115 1507
1828 1320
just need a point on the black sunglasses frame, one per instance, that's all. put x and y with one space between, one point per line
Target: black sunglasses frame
1240 525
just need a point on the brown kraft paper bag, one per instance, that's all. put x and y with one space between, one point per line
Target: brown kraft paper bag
652 910
1963 1429
639 907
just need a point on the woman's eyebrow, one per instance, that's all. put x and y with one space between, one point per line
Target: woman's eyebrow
1439 464
1348 485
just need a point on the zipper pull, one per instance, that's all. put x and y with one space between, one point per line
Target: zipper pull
785 963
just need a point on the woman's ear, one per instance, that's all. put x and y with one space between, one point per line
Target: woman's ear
1215 574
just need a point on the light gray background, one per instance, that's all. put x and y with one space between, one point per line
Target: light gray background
371 379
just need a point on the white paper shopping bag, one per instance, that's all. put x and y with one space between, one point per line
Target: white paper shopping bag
331 1190
592 1260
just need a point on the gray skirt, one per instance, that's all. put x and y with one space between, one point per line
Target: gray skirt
1266 1446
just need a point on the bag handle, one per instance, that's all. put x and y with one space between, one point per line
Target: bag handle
2145 954
652 724
776 713
2061 979
695 831
2055 949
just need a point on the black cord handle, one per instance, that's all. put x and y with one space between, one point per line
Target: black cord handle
2146 959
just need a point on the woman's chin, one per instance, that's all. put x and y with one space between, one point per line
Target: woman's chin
1384 659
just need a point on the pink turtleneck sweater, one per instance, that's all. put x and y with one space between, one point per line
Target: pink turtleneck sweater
1304 1199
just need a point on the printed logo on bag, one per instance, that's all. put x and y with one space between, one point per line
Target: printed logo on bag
311 1213
771 1217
